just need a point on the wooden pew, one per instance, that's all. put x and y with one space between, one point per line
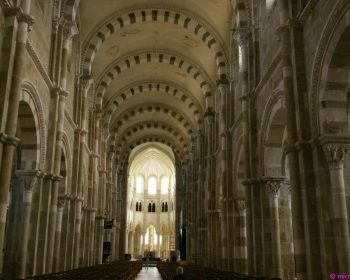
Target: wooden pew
119 270
196 272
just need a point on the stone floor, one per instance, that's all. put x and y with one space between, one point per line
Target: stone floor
151 273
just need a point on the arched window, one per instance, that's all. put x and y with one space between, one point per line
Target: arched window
152 185
164 185
153 207
270 4
166 207
140 207
139 184
149 207
137 206
147 236
163 207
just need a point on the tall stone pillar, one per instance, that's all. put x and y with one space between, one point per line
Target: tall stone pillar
240 236
62 95
335 154
28 181
58 234
303 192
241 35
99 238
223 87
69 30
25 20
210 196
272 249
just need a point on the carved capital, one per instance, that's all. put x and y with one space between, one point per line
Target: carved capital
70 29
241 36
61 201
223 85
28 178
335 152
26 18
272 184
240 205
12 141
56 178
63 94
86 82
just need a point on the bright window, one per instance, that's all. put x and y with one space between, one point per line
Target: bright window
152 185
164 184
269 4
147 237
139 184
155 238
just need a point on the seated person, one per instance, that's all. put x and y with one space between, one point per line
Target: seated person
180 274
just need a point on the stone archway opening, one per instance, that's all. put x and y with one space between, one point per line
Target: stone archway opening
23 190
151 191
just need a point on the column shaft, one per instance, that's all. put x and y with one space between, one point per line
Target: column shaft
24 20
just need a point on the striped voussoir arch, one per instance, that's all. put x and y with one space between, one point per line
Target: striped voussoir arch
177 149
30 96
151 108
145 126
148 127
161 15
153 57
155 86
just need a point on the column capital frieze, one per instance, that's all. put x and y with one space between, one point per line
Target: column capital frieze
61 201
57 178
29 178
240 205
70 29
12 141
86 82
335 153
63 93
17 12
272 184
26 18
222 84
241 36
334 147
77 198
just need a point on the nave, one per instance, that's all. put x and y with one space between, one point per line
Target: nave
215 132
136 270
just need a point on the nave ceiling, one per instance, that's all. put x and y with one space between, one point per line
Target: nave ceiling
155 65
